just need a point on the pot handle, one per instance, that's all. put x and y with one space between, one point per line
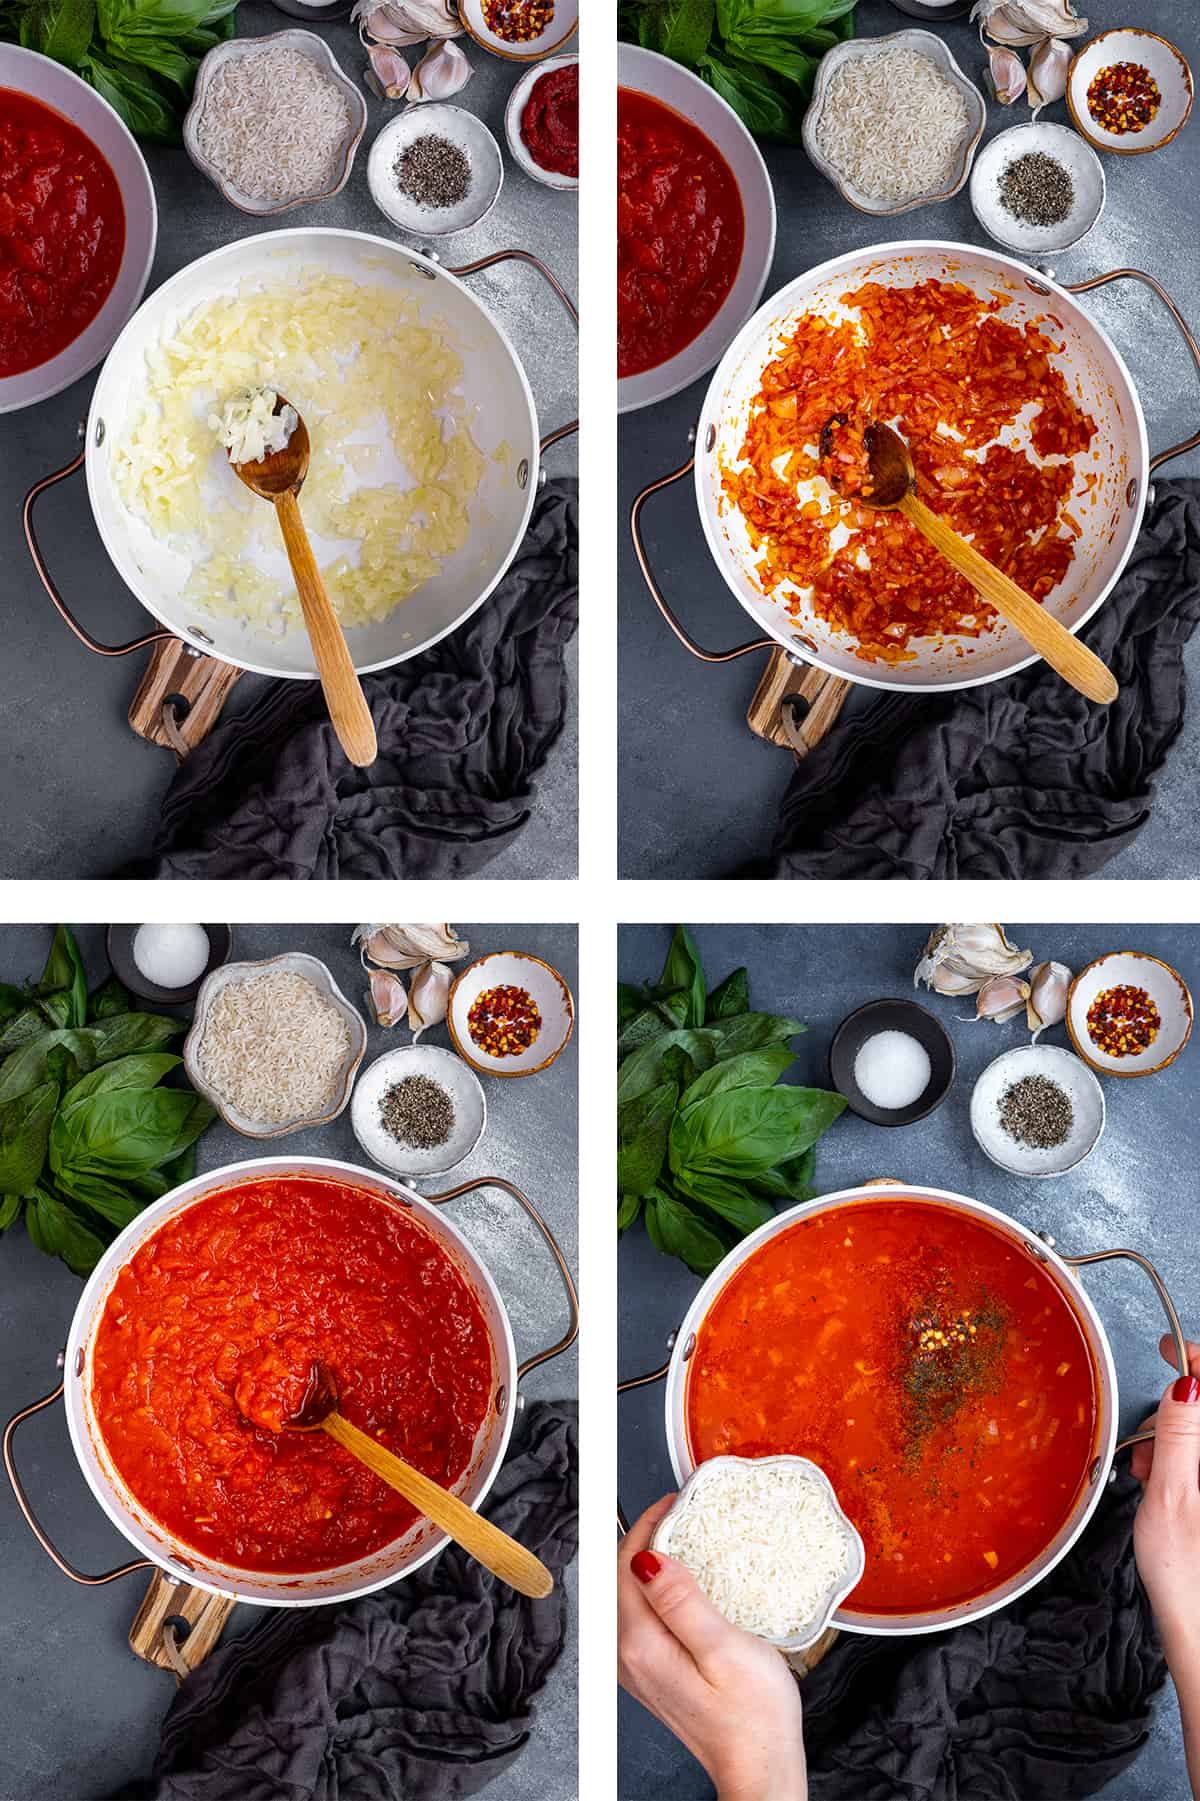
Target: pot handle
1168 1305
624 1388
1185 332
548 276
568 1281
126 1569
160 636
656 593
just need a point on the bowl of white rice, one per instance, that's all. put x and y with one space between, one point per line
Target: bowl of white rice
769 1544
894 123
275 1046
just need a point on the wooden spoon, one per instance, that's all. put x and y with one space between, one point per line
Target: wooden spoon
494 1549
892 485
278 477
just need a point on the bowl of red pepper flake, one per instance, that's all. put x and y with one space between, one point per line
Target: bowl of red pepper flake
541 122
1129 1014
1129 91
509 1014
520 30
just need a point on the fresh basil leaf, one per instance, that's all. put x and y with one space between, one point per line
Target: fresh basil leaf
132 94
627 1211
729 998
643 1127
678 1067
750 1069
684 971
12 1001
25 1126
666 1014
747 1131
109 1199
126 1132
142 1069
154 1183
753 1032
88 1046
58 1010
734 1204
55 1229
10 1207
67 30
629 1004
758 103
677 1231
63 973
790 1181
21 1029
112 997
643 1069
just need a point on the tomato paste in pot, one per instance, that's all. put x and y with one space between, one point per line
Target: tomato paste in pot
680 232
550 121
62 232
250 1285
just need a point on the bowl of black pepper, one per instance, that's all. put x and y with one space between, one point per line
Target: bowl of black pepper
434 170
418 1110
1037 188
1037 1111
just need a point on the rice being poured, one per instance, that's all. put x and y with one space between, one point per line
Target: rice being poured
893 124
275 125
765 1544
273 1047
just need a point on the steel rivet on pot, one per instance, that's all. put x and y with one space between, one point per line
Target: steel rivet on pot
1151 495
690 1346
523 472
198 632
672 1339
60 1360
79 1361
710 437
501 1398
1047 1238
1037 286
99 431
1131 490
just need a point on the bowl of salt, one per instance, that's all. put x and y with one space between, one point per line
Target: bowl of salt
893 1061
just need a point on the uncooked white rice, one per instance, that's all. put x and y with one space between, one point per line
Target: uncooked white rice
273 1047
892 124
275 124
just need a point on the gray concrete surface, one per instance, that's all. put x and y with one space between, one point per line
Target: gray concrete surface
79 1714
676 823
1137 1189
81 793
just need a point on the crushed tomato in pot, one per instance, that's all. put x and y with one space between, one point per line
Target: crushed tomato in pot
950 374
550 121
62 232
250 1286
680 231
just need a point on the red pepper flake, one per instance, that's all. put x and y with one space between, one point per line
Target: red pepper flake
1123 1021
504 1021
517 21
1123 97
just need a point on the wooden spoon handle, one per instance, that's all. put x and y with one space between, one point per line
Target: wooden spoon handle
1073 660
502 1555
348 709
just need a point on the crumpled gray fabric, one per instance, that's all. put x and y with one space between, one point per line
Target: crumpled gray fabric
1020 779
422 1692
463 730
1046 1700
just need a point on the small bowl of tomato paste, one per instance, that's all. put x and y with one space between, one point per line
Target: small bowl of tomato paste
541 122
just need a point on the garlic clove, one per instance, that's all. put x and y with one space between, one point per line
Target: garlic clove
970 952
378 28
406 21
387 75
440 73
1050 18
406 947
1048 67
387 998
1006 73
1049 985
427 1001
1001 998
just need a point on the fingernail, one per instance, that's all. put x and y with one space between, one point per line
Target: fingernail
1187 1388
645 1564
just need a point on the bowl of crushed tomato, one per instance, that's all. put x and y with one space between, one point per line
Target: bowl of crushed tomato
695 227
541 122
78 224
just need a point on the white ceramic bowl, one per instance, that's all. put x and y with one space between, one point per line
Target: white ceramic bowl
926 44
692 1494
559 29
1067 148
1060 1066
514 112
1166 988
546 987
441 1066
472 137
305 43
304 965
648 73
1167 65
26 72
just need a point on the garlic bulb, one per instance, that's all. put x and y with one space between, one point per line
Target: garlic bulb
1001 998
406 21
1017 22
387 75
959 959
441 72
1049 985
1006 72
387 997
407 947
428 997
1048 68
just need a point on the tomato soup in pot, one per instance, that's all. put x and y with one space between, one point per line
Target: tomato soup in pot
935 1371
255 1282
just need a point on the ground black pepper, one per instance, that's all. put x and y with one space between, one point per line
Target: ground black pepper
417 1113
947 1354
1036 189
1037 1112
433 172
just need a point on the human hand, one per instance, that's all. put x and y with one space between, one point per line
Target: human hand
727 1695
1166 1533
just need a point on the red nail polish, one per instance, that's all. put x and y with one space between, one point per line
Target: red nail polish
645 1564
1187 1388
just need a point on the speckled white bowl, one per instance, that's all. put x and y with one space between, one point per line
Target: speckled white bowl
1073 1076
1166 988
559 30
458 127
548 991
514 112
441 1066
1068 149
1167 65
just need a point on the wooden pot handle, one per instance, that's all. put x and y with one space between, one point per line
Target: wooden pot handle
155 1635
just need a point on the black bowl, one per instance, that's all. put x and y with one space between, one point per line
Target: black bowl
892 1016
120 954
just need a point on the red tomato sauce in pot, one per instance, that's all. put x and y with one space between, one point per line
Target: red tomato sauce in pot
250 1286
680 231
62 232
934 1371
